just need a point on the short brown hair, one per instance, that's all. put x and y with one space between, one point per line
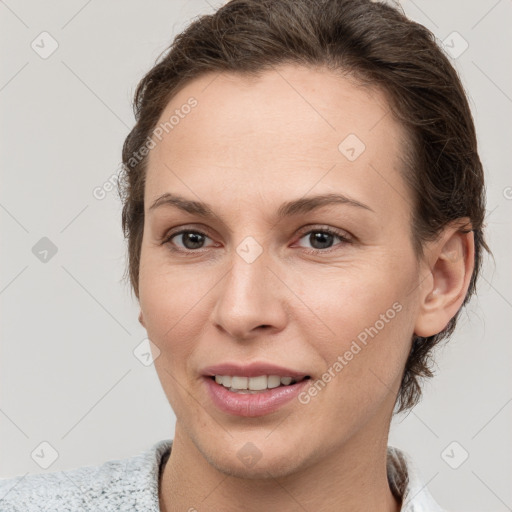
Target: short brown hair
375 44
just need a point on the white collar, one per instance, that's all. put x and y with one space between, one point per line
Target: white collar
407 484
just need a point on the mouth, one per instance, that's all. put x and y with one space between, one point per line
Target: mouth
253 390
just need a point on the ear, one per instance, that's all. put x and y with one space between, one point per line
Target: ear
141 319
449 265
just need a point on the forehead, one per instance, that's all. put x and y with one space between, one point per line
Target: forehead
285 132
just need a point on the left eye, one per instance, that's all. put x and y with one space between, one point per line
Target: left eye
322 239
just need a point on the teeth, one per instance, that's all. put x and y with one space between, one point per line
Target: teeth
273 381
260 383
239 382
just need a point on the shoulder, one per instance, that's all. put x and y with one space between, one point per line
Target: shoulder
126 484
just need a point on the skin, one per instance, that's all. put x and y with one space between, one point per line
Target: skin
247 147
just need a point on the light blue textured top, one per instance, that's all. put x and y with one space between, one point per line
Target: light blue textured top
131 484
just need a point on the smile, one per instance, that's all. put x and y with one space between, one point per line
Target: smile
253 402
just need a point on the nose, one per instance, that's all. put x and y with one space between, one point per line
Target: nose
250 299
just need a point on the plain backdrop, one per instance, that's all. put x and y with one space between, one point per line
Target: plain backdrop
69 376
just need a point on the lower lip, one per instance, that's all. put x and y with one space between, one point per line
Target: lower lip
253 404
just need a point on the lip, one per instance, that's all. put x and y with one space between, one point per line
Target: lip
252 405
251 370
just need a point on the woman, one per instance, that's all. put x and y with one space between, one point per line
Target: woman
303 204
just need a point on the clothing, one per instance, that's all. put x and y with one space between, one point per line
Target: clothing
132 484
406 483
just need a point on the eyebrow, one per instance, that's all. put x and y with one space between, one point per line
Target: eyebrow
288 209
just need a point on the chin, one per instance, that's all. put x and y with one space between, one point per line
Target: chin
256 454
266 468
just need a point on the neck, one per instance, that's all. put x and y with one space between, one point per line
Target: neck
354 479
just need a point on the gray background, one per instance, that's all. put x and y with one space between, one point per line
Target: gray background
69 326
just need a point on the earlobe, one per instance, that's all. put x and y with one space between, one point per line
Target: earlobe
141 319
451 267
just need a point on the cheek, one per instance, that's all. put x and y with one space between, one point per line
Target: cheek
368 321
345 302
171 299
174 316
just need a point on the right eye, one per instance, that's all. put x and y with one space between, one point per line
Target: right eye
191 240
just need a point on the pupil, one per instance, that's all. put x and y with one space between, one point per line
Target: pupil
194 238
321 238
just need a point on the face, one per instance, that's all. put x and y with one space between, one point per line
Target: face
272 283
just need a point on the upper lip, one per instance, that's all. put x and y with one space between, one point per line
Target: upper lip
251 370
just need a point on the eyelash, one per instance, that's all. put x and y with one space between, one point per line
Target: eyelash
343 238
